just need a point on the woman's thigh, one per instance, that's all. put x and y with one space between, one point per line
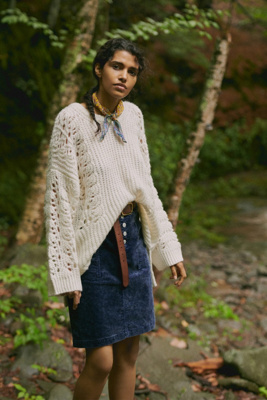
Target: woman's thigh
126 351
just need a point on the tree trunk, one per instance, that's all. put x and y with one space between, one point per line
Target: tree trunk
53 13
203 123
205 4
31 224
12 4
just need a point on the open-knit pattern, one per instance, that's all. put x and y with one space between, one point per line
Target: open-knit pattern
88 185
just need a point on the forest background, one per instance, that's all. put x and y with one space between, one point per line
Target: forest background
230 173
235 147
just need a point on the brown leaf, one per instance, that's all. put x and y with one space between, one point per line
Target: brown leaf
196 387
202 365
179 343
52 305
165 305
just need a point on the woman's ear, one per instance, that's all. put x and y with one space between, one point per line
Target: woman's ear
98 70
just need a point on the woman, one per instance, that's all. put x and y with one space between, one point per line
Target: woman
106 224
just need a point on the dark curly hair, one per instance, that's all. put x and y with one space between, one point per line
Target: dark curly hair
104 54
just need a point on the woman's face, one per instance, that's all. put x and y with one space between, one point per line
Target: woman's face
118 76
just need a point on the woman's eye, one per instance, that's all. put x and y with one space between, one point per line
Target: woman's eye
133 73
115 66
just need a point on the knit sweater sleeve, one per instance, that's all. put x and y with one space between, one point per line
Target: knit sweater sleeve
166 248
62 194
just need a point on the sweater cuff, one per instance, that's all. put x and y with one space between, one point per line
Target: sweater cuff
163 259
64 284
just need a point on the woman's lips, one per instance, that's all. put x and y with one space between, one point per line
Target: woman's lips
120 86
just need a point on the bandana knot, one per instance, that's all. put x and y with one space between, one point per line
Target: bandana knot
110 118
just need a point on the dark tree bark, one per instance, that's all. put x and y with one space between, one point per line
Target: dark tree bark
204 4
53 13
31 225
12 4
203 123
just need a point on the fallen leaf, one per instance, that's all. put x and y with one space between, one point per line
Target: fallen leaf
203 365
196 387
179 343
184 323
165 305
52 305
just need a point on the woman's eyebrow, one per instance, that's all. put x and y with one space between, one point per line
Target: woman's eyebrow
122 65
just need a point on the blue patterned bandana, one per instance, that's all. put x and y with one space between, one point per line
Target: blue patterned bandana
110 118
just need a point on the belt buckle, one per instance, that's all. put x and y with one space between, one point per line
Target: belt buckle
129 213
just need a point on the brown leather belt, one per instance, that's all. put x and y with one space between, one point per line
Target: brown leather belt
119 237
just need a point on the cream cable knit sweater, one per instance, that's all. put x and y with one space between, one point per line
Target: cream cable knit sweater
89 183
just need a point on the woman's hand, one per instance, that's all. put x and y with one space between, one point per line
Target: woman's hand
76 295
178 273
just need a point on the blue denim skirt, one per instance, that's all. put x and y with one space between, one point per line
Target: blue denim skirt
109 312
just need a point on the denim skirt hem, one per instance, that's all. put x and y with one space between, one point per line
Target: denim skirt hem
109 312
87 344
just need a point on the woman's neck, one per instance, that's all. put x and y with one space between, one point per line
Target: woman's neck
107 101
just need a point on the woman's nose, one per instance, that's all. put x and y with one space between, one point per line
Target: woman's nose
123 75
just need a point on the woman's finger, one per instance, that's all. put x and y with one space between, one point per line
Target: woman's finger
178 273
76 299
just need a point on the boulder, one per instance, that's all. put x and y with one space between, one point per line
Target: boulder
28 253
52 355
251 364
28 296
60 392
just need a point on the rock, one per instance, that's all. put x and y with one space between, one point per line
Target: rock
262 285
230 324
184 391
15 326
262 270
238 384
230 396
232 300
28 296
155 364
234 280
251 364
194 330
46 386
52 355
60 392
263 324
29 254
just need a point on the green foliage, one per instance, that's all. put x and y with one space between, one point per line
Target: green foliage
7 306
34 330
34 326
27 275
165 141
24 395
192 18
218 309
44 370
263 391
194 295
57 316
234 148
15 15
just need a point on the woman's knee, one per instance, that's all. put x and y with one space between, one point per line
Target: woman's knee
99 360
126 351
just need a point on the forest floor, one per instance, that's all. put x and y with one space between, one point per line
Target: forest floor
221 306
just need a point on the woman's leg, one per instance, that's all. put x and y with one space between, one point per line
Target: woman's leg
123 372
94 375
